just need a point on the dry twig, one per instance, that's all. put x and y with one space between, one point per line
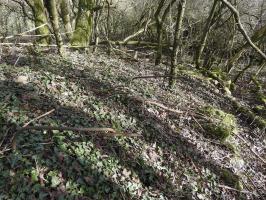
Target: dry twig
250 148
164 107
39 117
150 76
233 189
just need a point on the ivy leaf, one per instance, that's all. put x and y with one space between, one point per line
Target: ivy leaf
55 179
34 175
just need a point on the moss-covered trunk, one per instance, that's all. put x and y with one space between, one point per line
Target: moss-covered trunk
160 47
53 14
65 15
177 41
40 18
84 24
159 27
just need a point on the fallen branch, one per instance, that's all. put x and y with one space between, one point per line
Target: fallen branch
39 117
125 53
150 44
110 131
254 185
11 36
233 189
38 45
132 43
142 30
44 35
250 148
159 105
163 107
13 139
28 44
150 76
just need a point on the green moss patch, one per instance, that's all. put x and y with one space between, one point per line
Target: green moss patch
232 179
262 98
260 110
253 118
218 124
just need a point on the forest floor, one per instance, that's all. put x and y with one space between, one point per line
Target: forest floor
164 154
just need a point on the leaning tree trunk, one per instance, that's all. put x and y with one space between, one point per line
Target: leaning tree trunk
53 14
205 35
65 15
242 30
40 18
177 41
84 24
257 36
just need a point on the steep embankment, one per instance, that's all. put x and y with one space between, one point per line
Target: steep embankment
174 152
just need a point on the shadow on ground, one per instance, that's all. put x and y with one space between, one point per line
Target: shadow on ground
62 155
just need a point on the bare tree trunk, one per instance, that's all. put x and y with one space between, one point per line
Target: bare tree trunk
177 41
159 32
159 48
159 27
53 14
97 15
205 35
65 15
108 27
84 24
40 18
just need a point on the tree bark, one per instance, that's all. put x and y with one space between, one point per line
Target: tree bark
205 35
53 14
177 41
40 18
65 15
84 24
159 28
159 32
108 28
